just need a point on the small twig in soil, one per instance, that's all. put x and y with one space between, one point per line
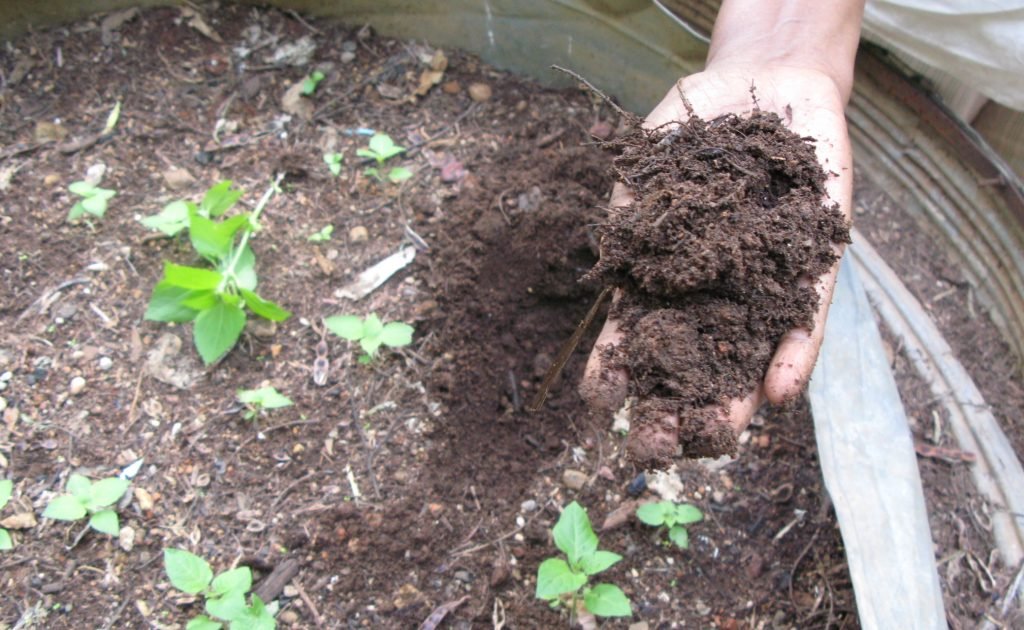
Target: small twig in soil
281 495
274 428
317 619
45 300
796 563
593 89
272 585
566 352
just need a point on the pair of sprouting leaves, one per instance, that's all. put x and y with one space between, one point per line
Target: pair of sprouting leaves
93 200
371 333
213 299
261 399
672 516
224 594
382 148
564 580
95 499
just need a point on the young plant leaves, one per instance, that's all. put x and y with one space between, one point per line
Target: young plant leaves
229 606
345 326
217 329
237 580
193 278
607 600
264 308
172 219
396 334
106 492
106 522
187 572
598 561
653 513
555 578
65 508
219 199
573 534
264 397
202 622
680 536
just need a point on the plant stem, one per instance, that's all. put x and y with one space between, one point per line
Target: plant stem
229 272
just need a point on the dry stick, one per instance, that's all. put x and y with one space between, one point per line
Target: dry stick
273 428
593 89
317 619
566 351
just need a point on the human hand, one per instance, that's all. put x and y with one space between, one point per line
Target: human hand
811 103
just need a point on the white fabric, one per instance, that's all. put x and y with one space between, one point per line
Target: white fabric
980 42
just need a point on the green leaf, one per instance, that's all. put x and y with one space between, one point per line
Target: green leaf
333 161
607 600
680 536
191 277
598 561
265 397
395 334
399 174
256 617
6 489
6 544
367 153
105 521
212 239
186 571
264 308
172 219
167 304
219 199
97 204
202 622
112 118
82 189
686 514
65 508
106 492
370 344
554 577
384 147
76 211
229 606
321 236
245 269
80 487
200 301
309 83
372 326
238 579
345 326
654 513
217 329
573 534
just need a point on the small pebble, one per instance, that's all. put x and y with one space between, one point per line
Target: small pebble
288 617
528 505
358 234
126 538
451 87
3 403
290 591
574 479
479 92
76 386
106 363
348 57
463 576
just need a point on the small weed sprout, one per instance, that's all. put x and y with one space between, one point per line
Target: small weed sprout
371 333
310 83
224 594
95 499
6 489
321 236
672 516
382 148
259 400
213 299
93 200
565 581
333 162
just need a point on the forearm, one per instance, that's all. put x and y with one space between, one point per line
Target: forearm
820 35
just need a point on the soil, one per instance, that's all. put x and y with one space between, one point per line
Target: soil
396 488
712 256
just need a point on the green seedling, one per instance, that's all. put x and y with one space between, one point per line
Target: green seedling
93 200
333 162
224 595
310 82
672 516
564 581
95 499
215 300
381 148
371 333
6 489
259 400
323 235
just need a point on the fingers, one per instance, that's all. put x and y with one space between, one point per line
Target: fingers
604 388
797 353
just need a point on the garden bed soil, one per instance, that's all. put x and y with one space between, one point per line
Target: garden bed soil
398 487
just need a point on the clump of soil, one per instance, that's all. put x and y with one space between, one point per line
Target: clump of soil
712 256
